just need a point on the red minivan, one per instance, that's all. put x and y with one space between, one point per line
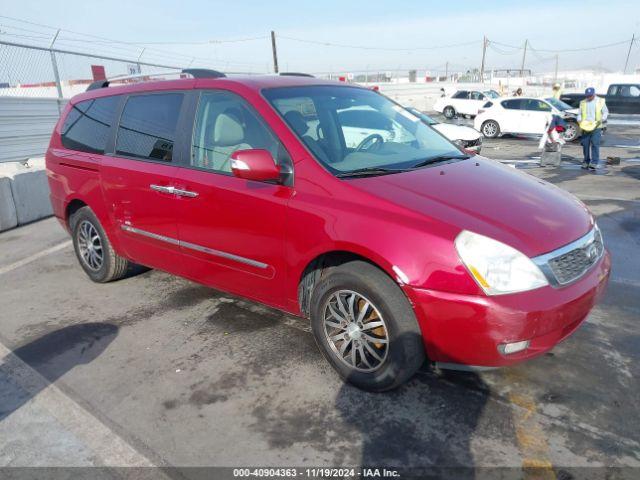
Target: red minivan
401 248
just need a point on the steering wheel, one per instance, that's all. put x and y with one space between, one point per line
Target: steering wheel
370 141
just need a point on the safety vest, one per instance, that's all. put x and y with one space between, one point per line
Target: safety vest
591 125
557 94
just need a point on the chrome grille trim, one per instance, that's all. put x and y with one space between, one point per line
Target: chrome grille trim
571 262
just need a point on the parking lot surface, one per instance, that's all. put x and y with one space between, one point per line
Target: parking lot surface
156 370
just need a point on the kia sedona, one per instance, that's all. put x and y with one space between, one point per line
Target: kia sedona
397 249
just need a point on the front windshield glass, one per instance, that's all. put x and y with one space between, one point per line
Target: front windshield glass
558 104
352 129
491 94
422 116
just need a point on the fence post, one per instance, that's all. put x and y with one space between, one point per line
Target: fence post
56 74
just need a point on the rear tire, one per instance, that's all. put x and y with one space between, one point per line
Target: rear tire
376 309
572 132
490 129
449 112
93 249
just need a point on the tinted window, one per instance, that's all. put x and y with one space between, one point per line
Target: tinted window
536 106
87 125
148 126
477 96
515 104
629 91
225 123
461 94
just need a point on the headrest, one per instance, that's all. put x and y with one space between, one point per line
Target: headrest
297 122
227 131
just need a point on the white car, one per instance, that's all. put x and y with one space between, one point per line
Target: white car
524 115
463 136
464 102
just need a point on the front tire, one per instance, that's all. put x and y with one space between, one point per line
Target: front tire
93 249
449 112
365 327
490 129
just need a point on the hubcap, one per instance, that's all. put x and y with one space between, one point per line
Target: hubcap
489 129
355 331
90 246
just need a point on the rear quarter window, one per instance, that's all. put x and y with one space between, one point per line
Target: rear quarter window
148 125
87 126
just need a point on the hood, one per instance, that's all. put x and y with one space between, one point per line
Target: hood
488 198
457 132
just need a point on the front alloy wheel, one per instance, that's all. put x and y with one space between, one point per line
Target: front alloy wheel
356 331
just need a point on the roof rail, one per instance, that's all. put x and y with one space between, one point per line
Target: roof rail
296 74
203 73
98 84
194 72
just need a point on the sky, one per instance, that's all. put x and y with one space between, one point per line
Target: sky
397 35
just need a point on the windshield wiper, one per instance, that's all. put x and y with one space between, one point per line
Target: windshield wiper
438 159
369 171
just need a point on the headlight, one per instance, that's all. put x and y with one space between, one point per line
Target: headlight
496 267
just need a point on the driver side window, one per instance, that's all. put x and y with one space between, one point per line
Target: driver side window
225 123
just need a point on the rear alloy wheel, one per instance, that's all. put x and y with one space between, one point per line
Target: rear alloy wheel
490 129
572 132
449 112
93 249
366 327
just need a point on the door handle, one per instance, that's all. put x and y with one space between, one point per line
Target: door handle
185 193
162 188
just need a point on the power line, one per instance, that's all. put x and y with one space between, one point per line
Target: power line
368 47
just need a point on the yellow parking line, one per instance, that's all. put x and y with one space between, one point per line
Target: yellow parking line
530 436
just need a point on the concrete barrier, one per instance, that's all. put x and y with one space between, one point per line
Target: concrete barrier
8 217
24 193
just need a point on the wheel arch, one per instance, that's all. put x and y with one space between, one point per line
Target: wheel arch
323 262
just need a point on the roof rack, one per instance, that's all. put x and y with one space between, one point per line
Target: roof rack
194 72
295 74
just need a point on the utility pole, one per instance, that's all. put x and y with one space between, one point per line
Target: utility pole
555 76
633 39
484 53
446 72
524 56
56 73
275 52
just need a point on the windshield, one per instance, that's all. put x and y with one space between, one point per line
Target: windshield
558 104
353 129
424 117
491 94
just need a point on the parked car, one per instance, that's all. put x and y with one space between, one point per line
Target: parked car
524 115
396 249
463 102
465 137
620 98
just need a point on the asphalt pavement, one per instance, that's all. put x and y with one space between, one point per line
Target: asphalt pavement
154 370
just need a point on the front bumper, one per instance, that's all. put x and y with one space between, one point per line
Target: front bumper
467 329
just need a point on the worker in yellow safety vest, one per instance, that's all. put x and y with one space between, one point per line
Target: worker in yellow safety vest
557 91
592 115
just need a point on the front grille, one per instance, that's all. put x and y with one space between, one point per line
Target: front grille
472 143
569 263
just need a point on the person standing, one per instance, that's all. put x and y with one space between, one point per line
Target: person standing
557 91
592 114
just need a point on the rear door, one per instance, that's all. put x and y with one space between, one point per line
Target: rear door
231 230
476 101
138 178
536 115
460 101
511 118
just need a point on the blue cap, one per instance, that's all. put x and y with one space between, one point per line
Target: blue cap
590 92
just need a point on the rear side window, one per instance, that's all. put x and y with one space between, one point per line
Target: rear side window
87 126
513 104
461 94
147 127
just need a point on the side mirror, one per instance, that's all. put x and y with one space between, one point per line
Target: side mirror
255 164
